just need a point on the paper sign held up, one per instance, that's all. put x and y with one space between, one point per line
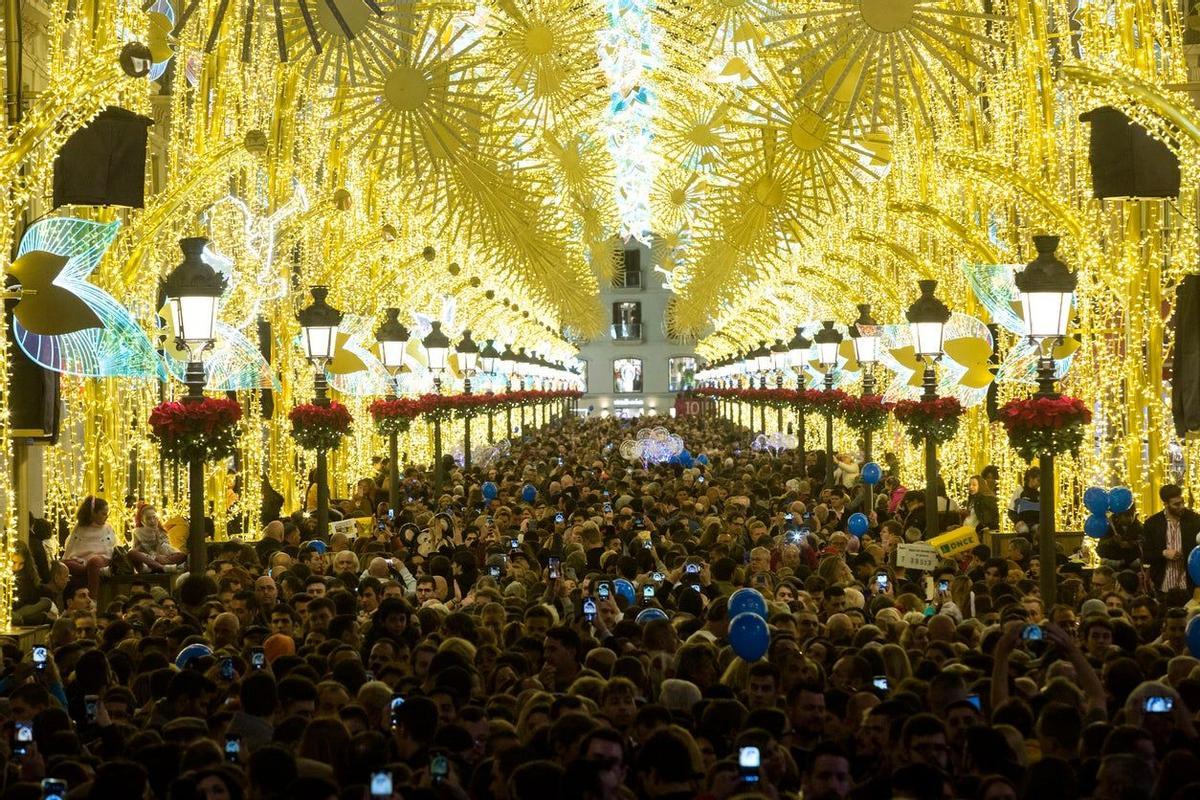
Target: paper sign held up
917 556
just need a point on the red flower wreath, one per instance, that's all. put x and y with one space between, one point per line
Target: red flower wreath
865 414
317 427
1038 425
937 419
206 429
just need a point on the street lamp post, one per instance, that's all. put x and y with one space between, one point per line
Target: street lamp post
437 351
489 361
781 358
865 333
192 289
392 337
507 363
828 339
468 358
1046 287
798 349
927 318
319 323
762 364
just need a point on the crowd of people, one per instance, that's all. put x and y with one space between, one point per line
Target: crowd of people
557 625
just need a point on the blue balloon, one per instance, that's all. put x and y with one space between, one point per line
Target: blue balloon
748 636
647 614
1095 500
489 490
747 601
872 473
1194 564
191 653
686 459
1120 499
1096 526
528 493
316 545
702 459
625 589
1193 636
674 460
858 523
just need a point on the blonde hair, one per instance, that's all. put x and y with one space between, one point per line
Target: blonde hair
460 647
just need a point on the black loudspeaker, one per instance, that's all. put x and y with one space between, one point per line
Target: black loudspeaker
1185 370
33 399
264 347
104 164
1126 161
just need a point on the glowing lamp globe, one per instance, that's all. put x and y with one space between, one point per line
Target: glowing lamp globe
319 323
828 340
866 340
468 354
392 337
1046 287
437 348
927 318
489 357
192 289
781 357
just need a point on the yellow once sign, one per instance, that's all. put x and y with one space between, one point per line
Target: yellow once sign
954 542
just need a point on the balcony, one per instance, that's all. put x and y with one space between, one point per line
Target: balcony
627 332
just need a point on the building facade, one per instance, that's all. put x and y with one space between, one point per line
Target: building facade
636 368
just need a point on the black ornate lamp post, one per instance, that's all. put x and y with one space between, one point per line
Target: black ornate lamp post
437 352
521 370
192 290
489 362
1046 287
781 359
762 365
468 359
828 339
319 323
508 365
798 348
392 337
927 317
865 333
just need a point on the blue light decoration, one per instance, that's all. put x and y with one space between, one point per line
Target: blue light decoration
162 21
628 52
234 363
996 289
119 348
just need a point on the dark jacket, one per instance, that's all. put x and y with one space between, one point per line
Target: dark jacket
1155 532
